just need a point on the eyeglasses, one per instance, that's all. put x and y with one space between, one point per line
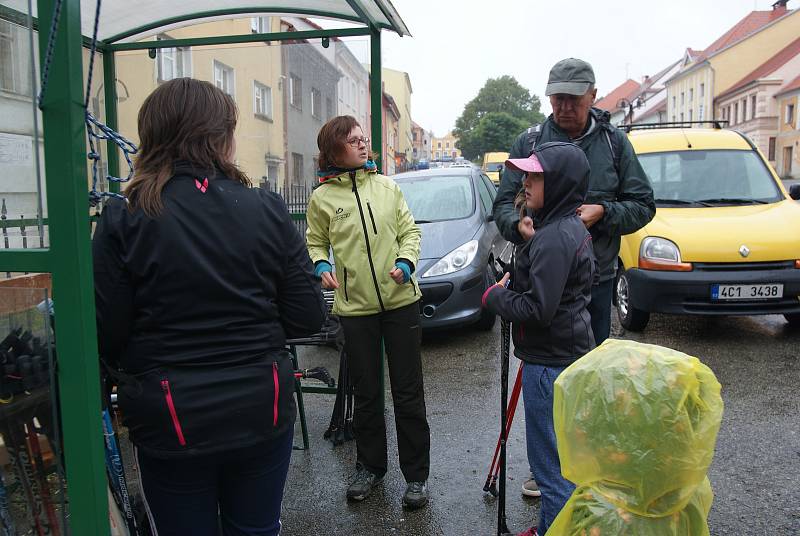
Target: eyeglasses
355 142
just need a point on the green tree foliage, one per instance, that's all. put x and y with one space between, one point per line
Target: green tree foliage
490 121
496 131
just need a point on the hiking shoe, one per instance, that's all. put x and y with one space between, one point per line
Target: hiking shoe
530 488
362 485
530 532
416 495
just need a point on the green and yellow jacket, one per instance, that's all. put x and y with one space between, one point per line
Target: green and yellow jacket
363 217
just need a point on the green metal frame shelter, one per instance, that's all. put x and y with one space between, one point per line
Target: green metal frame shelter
68 259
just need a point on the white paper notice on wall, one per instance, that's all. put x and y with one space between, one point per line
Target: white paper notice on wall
16 150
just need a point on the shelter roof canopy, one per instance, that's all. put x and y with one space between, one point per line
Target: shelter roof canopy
127 20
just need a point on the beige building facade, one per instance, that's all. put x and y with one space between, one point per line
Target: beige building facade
705 76
251 73
751 107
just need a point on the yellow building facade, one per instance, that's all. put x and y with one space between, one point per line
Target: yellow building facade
444 148
398 85
691 92
250 72
787 143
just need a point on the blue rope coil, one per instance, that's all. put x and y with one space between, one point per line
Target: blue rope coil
97 131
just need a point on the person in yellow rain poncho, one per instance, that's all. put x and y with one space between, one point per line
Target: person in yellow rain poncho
636 426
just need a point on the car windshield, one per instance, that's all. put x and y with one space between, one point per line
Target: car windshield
494 166
709 178
439 198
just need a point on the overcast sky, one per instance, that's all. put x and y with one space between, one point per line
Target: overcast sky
457 44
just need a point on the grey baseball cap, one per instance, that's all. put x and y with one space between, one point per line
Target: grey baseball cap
571 76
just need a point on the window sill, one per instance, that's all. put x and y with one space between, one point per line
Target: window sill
263 117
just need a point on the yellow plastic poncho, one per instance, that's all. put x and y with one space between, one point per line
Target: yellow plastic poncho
636 426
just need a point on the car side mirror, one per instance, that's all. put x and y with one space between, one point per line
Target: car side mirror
794 192
490 217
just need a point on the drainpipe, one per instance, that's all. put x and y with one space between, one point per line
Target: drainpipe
713 97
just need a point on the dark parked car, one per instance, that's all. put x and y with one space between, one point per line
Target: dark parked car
460 243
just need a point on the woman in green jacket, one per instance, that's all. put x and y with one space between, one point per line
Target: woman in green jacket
363 217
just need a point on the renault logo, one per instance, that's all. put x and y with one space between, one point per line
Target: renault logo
744 251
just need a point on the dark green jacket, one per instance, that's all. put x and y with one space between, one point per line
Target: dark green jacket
627 198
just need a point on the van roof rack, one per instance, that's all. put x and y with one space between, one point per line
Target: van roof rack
716 123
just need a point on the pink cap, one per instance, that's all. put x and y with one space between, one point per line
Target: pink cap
530 164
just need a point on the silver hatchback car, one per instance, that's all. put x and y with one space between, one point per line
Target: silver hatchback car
460 243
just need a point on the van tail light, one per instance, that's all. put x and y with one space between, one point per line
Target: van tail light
797 263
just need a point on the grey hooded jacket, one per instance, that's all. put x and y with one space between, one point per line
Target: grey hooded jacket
554 271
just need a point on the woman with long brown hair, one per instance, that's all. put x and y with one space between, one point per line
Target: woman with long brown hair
363 217
199 280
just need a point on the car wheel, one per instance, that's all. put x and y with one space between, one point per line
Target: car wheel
631 318
793 319
487 319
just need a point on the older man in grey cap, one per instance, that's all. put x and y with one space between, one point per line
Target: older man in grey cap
620 198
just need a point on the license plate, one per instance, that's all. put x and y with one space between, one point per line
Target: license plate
747 292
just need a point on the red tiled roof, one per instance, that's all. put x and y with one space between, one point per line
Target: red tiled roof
791 86
748 25
624 91
770 66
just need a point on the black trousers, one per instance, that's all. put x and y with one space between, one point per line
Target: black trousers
400 331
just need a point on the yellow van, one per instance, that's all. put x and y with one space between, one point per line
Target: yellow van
726 236
493 165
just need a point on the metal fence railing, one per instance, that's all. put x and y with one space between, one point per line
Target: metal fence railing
31 231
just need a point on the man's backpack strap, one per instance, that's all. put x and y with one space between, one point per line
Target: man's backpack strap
531 137
614 146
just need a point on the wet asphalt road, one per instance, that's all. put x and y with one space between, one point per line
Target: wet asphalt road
755 473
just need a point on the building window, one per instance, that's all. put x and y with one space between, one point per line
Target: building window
702 90
674 101
223 77
12 75
771 152
316 103
438 145
744 110
691 114
682 99
296 91
259 24
262 100
728 115
297 169
447 145
691 94
735 113
790 114
328 109
681 117
173 62
753 107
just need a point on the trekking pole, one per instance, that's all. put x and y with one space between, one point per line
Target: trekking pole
491 478
116 474
505 348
